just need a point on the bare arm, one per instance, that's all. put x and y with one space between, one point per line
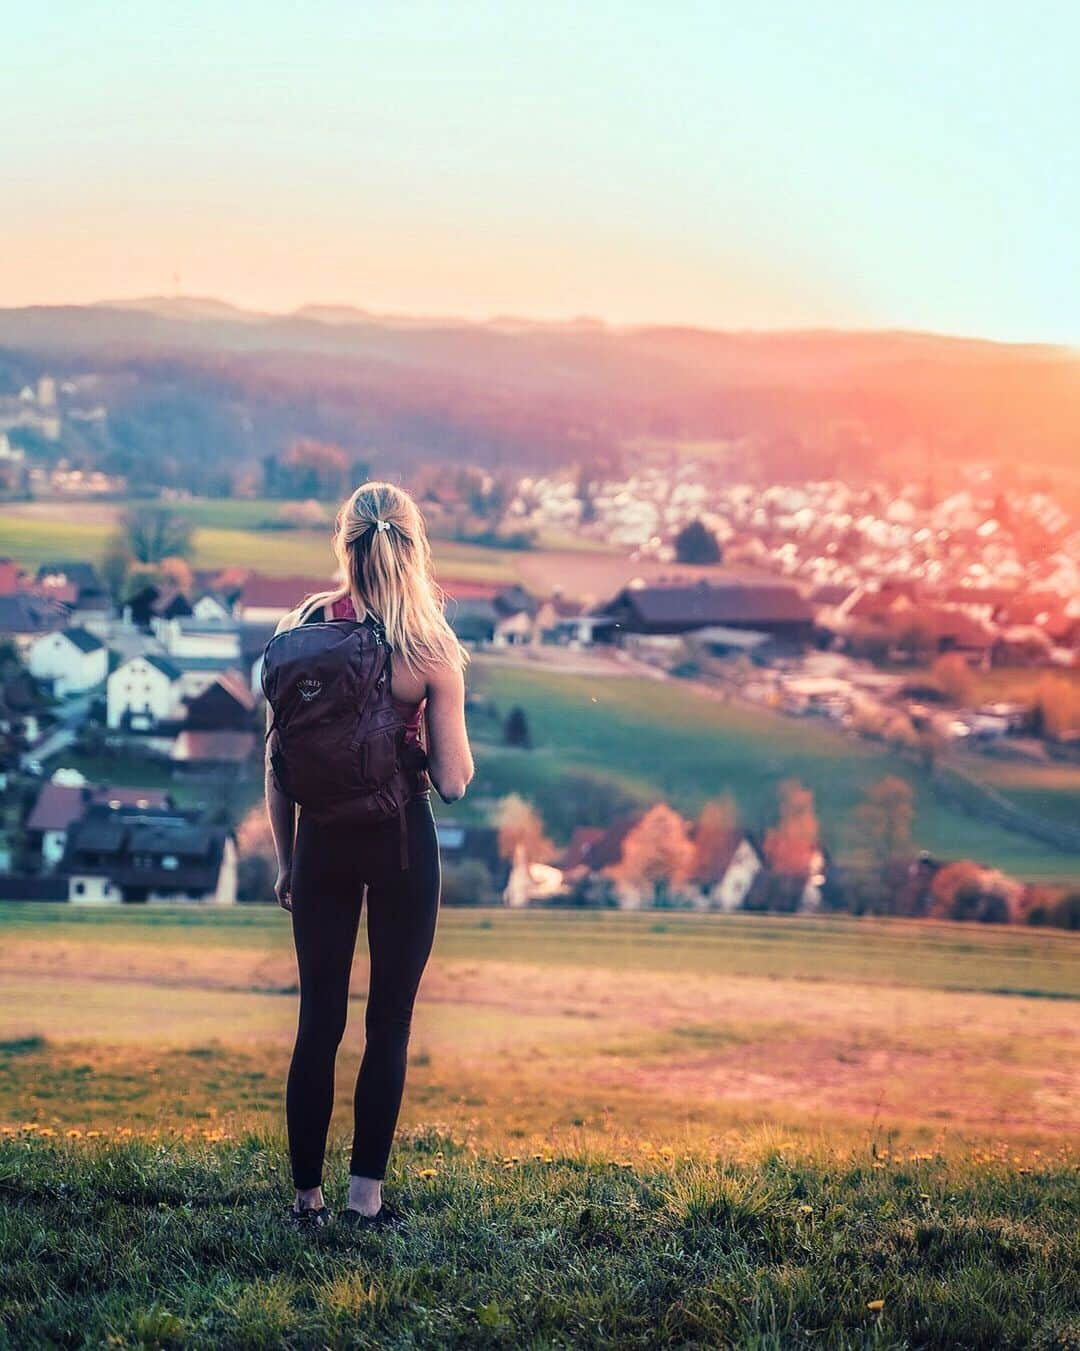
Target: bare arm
450 762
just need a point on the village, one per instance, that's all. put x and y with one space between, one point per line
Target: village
157 695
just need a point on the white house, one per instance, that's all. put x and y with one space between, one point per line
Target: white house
212 639
143 691
738 877
211 608
73 660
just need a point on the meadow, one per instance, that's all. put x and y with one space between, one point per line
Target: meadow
665 739
619 1130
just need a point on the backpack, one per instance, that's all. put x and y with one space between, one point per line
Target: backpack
341 751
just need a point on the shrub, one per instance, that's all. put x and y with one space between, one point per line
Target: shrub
468 883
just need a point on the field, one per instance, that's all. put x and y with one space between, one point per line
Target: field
619 1129
228 534
656 738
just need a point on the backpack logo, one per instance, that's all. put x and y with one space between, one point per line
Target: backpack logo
308 689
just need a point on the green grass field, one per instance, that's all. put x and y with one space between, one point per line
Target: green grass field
658 739
619 1130
226 535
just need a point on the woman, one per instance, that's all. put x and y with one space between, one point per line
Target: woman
385 565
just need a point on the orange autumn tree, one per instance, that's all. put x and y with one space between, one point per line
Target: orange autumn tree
790 848
521 829
714 833
791 845
657 852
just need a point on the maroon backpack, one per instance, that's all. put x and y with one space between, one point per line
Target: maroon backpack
341 751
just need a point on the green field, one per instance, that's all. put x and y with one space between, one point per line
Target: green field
619 1130
226 535
662 739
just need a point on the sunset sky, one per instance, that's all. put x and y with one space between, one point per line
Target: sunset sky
733 165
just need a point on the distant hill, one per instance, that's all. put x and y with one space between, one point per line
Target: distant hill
196 378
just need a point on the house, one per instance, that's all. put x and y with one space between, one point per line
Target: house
531 881
12 577
955 631
226 705
168 605
557 618
736 875
212 608
77 585
720 642
132 854
515 614
71 660
265 600
185 638
253 640
59 805
775 608
473 621
212 751
142 692
594 848
24 615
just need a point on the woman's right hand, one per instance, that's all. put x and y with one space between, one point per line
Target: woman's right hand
283 887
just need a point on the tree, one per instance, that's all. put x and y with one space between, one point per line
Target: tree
175 572
791 846
714 833
884 818
302 515
658 852
521 830
315 468
150 534
965 891
585 799
954 676
114 570
516 729
696 543
1056 708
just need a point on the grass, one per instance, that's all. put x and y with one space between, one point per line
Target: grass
226 535
659 739
160 1243
619 1130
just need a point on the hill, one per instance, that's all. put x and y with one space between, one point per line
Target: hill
196 379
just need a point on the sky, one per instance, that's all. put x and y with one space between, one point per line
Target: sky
879 163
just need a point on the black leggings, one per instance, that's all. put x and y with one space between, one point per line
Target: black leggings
331 866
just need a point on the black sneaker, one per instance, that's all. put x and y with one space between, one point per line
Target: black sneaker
387 1214
308 1218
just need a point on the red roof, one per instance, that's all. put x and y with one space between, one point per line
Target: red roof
220 747
10 576
279 593
466 588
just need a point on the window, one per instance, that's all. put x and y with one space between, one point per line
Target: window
170 861
80 888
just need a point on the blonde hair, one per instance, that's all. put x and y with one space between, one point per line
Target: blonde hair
384 561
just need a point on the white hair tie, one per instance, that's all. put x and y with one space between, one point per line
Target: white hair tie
380 524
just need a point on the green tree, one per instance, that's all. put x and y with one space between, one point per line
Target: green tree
696 543
150 534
